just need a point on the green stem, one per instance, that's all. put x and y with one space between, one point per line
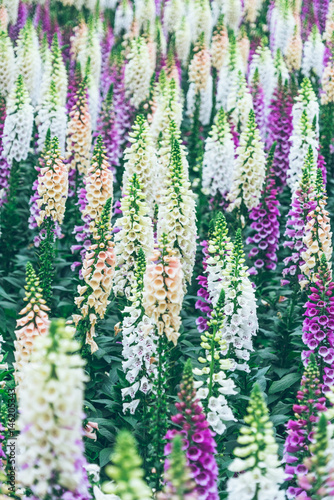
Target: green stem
212 362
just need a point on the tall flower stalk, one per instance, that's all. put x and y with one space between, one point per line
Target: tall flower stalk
218 160
256 462
52 190
51 460
198 439
249 172
34 322
302 203
300 429
98 271
178 482
265 223
98 188
16 139
135 233
128 481
139 343
176 216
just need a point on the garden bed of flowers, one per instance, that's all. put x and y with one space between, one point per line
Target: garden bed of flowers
166 283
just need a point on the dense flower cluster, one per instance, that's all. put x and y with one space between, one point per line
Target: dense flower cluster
97 272
262 62
179 484
4 164
280 129
200 65
108 129
240 323
140 159
313 54
198 439
135 233
7 64
297 444
51 402
98 185
317 478
34 322
294 50
98 188
216 386
28 60
219 45
302 203
259 104
163 290
265 224
79 133
305 114
250 169
318 325
52 186
328 84
177 217
257 463
229 72
18 123
51 115
218 159
138 72
318 236
139 342
239 103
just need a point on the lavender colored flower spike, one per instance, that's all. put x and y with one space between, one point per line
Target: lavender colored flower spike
306 412
22 16
320 10
107 128
259 104
265 224
280 129
318 324
123 109
307 17
198 439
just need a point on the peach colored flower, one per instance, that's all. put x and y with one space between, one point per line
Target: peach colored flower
99 185
79 132
200 66
52 186
328 83
163 292
90 429
219 47
33 323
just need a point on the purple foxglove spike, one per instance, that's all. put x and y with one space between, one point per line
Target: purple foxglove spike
22 17
279 130
320 8
266 226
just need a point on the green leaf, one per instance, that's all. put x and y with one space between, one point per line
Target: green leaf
105 456
285 382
